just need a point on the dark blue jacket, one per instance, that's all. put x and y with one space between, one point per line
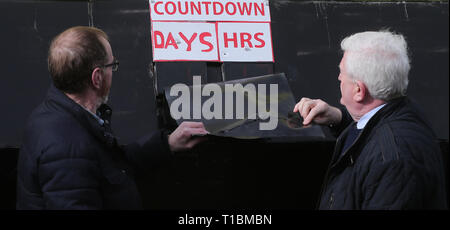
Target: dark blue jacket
395 163
69 161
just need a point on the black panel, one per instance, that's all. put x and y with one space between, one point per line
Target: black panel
240 174
171 73
239 70
306 40
27 29
220 173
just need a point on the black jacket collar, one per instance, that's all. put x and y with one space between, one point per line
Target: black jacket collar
379 118
87 120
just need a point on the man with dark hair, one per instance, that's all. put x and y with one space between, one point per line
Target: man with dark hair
386 156
70 159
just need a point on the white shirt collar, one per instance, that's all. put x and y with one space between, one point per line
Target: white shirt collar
366 117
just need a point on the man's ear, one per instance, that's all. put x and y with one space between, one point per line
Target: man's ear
359 91
96 78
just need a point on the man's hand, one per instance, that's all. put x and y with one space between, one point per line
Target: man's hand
186 136
318 111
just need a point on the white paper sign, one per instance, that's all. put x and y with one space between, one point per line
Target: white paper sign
184 41
211 30
212 10
243 42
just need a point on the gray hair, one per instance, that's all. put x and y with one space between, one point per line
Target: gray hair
380 60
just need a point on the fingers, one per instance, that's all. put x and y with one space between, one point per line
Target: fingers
299 105
186 136
305 106
311 115
194 131
189 129
192 124
296 107
312 110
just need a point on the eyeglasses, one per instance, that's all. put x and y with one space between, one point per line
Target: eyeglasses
114 64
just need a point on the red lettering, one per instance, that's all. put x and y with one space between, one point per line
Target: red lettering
263 43
227 8
185 7
245 8
171 41
204 42
261 10
244 40
156 8
188 42
234 39
215 4
206 7
174 8
198 8
156 34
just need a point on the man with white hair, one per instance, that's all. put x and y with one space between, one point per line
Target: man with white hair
386 156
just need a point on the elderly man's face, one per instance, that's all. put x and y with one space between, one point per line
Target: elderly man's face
107 80
347 87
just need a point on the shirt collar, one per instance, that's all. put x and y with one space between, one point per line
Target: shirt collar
100 121
366 117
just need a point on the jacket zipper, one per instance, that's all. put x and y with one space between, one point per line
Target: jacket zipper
326 179
327 175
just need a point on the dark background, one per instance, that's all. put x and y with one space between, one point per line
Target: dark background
223 173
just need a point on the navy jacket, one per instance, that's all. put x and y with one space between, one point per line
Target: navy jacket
395 163
69 161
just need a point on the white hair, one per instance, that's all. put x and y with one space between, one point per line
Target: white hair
380 60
